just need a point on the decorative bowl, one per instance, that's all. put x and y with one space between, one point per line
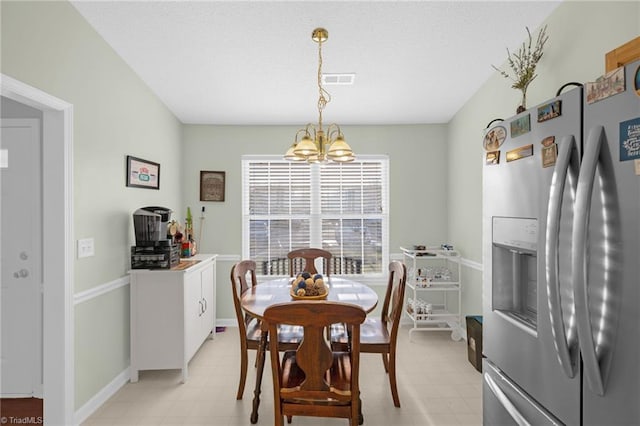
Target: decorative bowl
306 286
317 297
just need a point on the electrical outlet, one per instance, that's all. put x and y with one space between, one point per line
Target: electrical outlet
85 248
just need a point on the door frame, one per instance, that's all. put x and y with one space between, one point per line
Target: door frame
57 250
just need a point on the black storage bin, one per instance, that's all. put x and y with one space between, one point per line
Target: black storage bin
474 341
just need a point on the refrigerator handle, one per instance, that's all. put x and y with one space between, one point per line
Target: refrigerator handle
568 163
596 356
505 401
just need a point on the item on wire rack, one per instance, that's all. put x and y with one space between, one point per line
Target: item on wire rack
428 276
425 253
419 308
424 277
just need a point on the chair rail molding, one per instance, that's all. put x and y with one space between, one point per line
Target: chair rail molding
99 290
471 264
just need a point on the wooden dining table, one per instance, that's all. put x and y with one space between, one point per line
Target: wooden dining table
259 297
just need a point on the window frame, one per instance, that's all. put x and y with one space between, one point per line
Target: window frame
315 215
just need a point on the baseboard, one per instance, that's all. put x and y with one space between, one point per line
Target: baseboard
91 406
461 327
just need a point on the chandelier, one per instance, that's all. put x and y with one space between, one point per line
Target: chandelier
317 145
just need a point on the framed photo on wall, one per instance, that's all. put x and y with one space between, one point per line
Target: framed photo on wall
142 173
211 185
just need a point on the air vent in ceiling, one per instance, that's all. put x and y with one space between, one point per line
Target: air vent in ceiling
338 79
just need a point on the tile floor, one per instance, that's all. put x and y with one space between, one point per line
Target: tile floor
437 386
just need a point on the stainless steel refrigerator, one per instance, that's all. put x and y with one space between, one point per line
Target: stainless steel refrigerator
561 252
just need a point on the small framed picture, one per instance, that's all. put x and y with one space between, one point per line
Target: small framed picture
494 138
211 186
605 86
629 139
520 126
549 155
518 153
142 173
549 111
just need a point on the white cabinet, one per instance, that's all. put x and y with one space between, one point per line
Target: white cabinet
433 290
172 313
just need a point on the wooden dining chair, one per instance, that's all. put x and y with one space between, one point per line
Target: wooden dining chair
314 380
301 260
243 277
380 335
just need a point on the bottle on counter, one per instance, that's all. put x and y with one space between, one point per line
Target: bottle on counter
194 250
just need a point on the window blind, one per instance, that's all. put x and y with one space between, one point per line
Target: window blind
340 207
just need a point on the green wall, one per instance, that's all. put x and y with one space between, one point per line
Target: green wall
50 46
418 211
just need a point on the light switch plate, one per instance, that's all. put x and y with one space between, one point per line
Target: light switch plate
85 248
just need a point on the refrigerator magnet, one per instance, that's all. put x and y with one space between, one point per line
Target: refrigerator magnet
521 152
549 151
549 111
548 141
605 86
492 158
636 81
630 139
549 155
520 126
494 139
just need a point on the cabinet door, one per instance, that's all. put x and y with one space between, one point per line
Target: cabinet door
208 297
193 312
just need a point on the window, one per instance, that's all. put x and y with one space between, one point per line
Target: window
340 207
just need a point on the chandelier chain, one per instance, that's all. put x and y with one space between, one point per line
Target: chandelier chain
325 97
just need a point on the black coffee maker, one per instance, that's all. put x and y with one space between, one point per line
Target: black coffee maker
153 250
150 224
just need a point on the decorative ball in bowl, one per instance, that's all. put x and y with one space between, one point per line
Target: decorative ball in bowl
307 286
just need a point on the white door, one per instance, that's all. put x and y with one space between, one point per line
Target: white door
21 258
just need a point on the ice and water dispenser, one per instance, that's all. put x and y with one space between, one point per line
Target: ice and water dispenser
514 266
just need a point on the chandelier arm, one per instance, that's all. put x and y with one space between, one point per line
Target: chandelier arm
332 129
311 130
305 131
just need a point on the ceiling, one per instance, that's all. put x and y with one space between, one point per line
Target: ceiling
254 63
